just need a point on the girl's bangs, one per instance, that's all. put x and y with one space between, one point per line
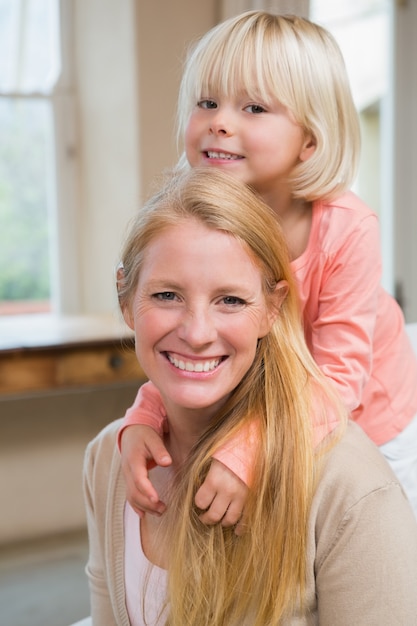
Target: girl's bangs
233 68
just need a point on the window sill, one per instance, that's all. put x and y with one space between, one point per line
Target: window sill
36 331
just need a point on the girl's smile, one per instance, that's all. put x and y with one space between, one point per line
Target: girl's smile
221 155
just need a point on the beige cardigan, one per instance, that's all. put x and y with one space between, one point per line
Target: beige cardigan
362 553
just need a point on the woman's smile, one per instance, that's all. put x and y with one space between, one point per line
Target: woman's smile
185 364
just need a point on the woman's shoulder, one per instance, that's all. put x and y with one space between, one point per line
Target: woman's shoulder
355 465
107 435
355 478
362 538
103 446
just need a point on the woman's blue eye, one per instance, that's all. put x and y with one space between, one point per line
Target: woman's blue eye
165 295
233 300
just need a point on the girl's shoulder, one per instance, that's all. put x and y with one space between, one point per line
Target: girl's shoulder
342 219
347 204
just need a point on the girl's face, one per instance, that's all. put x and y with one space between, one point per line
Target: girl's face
197 313
259 144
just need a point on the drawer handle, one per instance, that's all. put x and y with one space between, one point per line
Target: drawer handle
116 361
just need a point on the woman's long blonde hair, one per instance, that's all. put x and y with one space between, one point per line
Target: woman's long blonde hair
288 60
216 578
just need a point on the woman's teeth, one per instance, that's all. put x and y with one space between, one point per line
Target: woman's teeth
201 366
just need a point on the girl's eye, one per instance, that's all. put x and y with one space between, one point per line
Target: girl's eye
207 104
255 108
165 296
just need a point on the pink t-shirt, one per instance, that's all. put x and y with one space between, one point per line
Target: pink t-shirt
354 328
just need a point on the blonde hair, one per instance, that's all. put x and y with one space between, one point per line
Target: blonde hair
215 577
293 61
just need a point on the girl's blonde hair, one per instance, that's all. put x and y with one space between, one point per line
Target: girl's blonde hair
215 577
290 60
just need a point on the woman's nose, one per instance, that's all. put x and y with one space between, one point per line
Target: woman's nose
197 329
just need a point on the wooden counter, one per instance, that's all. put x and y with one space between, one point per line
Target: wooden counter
47 352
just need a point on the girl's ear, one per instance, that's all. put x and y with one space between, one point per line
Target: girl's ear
308 148
277 298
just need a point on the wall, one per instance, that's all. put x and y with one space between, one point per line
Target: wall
127 67
164 31
42 443
107 148
405 157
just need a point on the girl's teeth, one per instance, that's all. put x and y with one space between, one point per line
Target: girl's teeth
202 366
222 155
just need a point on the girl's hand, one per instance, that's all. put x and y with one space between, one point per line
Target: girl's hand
222 497
141 448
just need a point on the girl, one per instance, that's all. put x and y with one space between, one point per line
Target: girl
228 309
266 98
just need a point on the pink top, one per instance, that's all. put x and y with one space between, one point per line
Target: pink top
354 328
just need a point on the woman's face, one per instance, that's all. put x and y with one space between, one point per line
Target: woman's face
198 312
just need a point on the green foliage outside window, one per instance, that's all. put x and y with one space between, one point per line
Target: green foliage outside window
24 247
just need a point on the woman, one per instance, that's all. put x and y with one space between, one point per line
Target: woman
206 285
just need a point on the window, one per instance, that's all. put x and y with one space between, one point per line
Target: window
29 71
72 77
363 29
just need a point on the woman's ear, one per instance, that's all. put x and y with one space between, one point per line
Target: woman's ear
308 147
127 316
120 277
277 298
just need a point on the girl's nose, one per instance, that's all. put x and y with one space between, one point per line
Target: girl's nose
219 130
197 329
221 124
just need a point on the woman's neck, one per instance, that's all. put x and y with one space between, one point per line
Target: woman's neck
185 427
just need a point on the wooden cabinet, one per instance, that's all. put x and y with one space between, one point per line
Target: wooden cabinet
56 353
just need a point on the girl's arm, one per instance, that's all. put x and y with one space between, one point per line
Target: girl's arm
147 410
222 495
341 311
141 447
